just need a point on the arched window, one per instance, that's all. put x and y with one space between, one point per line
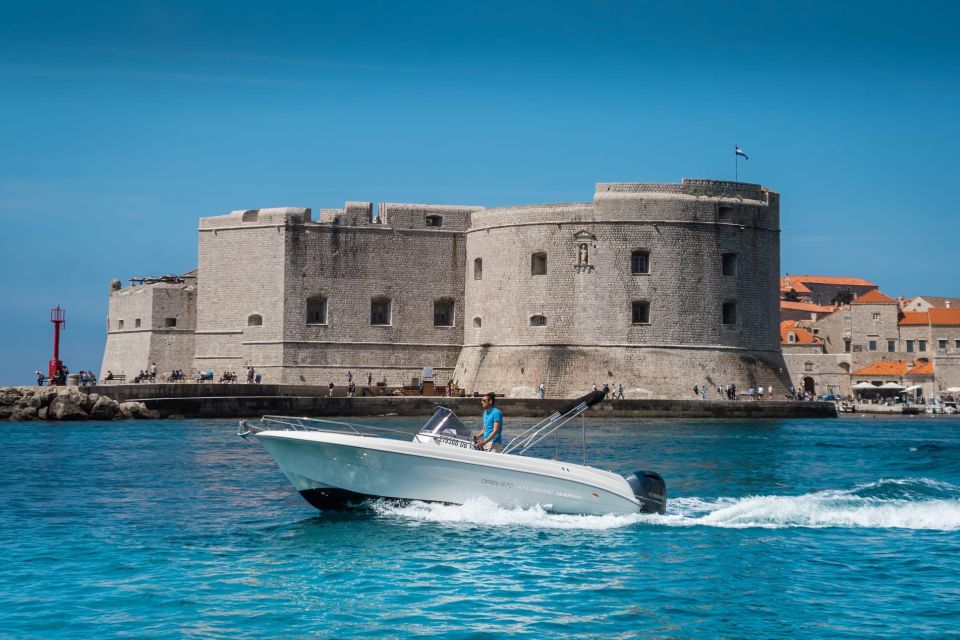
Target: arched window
317 310
478 269
538 321
254 320
250 216
380 311
728 264
640 261
477 322
538 264
443 312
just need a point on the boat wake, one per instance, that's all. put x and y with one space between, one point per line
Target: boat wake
908 503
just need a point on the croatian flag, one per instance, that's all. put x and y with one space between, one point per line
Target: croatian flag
738 151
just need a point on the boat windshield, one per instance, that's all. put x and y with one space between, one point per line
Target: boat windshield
446 423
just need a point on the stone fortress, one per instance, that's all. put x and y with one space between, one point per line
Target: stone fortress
658 287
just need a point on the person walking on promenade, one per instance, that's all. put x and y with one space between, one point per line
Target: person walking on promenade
760 392
542 391
330 393
492 438
770 392
619 395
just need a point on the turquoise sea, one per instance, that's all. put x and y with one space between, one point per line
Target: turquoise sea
846 528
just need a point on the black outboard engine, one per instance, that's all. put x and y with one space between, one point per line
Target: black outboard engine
650 490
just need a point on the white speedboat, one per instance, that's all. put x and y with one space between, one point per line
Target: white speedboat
335 465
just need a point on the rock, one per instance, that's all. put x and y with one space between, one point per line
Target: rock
147 414
65 407
129 410
24 414
42 413
87 400
105 408
6 412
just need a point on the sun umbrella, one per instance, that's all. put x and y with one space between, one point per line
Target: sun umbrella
913 387
891 385
953 389
864 385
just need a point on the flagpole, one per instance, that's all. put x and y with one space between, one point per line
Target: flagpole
736 165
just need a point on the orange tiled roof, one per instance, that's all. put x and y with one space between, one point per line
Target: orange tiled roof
805 306
858 282
786 284
873 297
896 368
944 317
914 318
801 336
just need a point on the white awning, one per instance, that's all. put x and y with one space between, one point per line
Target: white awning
864 385
913 387
891 385
953 389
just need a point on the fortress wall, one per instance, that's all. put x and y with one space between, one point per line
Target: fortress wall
241 273
587 305
351 265
413 216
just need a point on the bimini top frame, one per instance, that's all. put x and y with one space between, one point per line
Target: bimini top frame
521 443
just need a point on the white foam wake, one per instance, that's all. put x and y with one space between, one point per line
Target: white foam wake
884 504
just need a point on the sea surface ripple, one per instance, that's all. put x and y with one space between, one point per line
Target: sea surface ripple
844 528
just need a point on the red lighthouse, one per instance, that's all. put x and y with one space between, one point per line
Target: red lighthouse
58 317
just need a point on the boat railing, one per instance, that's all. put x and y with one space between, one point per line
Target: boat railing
521 443
288 423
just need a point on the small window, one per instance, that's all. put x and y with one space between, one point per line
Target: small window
136 323
941 344
729 264
872 345
808 366
170 322
922 345
434 221
791 337
254 320
443 313
858 348
956 344
815 331
725 213
478 269
729 313
538 321
477 322
317 310
876 316
250 216
909 346
640 312
538 264
891 346
380 312
119 324
640 262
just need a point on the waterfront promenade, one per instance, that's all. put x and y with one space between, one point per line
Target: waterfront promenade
243 400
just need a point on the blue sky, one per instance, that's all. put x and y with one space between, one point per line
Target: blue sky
124 122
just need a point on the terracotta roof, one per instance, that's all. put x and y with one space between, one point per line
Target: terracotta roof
896 368
939 301
787 284
806 306
873 297
914 318
944 317
858 282
801 336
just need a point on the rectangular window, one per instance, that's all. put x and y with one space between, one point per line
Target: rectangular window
922 344
169 322
538 264
909 346
119 324
640 312
876 315
729 264
872 345
956 344
941 344
640 262
725 213
136 323
380 312
729 315
892 346
857 348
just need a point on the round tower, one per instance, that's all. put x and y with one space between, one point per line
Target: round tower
658 287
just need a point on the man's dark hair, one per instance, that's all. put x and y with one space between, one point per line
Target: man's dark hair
492 397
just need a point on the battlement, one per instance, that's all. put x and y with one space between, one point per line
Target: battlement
279 215
687 186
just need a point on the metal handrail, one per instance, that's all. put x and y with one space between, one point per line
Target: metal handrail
521 443
289 423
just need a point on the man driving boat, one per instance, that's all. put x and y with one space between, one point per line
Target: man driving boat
492 438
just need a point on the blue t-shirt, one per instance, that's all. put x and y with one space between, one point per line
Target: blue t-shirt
490 416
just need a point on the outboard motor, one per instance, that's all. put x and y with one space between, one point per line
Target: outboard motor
650 490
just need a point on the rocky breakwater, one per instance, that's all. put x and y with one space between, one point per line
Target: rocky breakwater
65 403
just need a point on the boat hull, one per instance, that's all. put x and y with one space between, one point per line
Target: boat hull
334 471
